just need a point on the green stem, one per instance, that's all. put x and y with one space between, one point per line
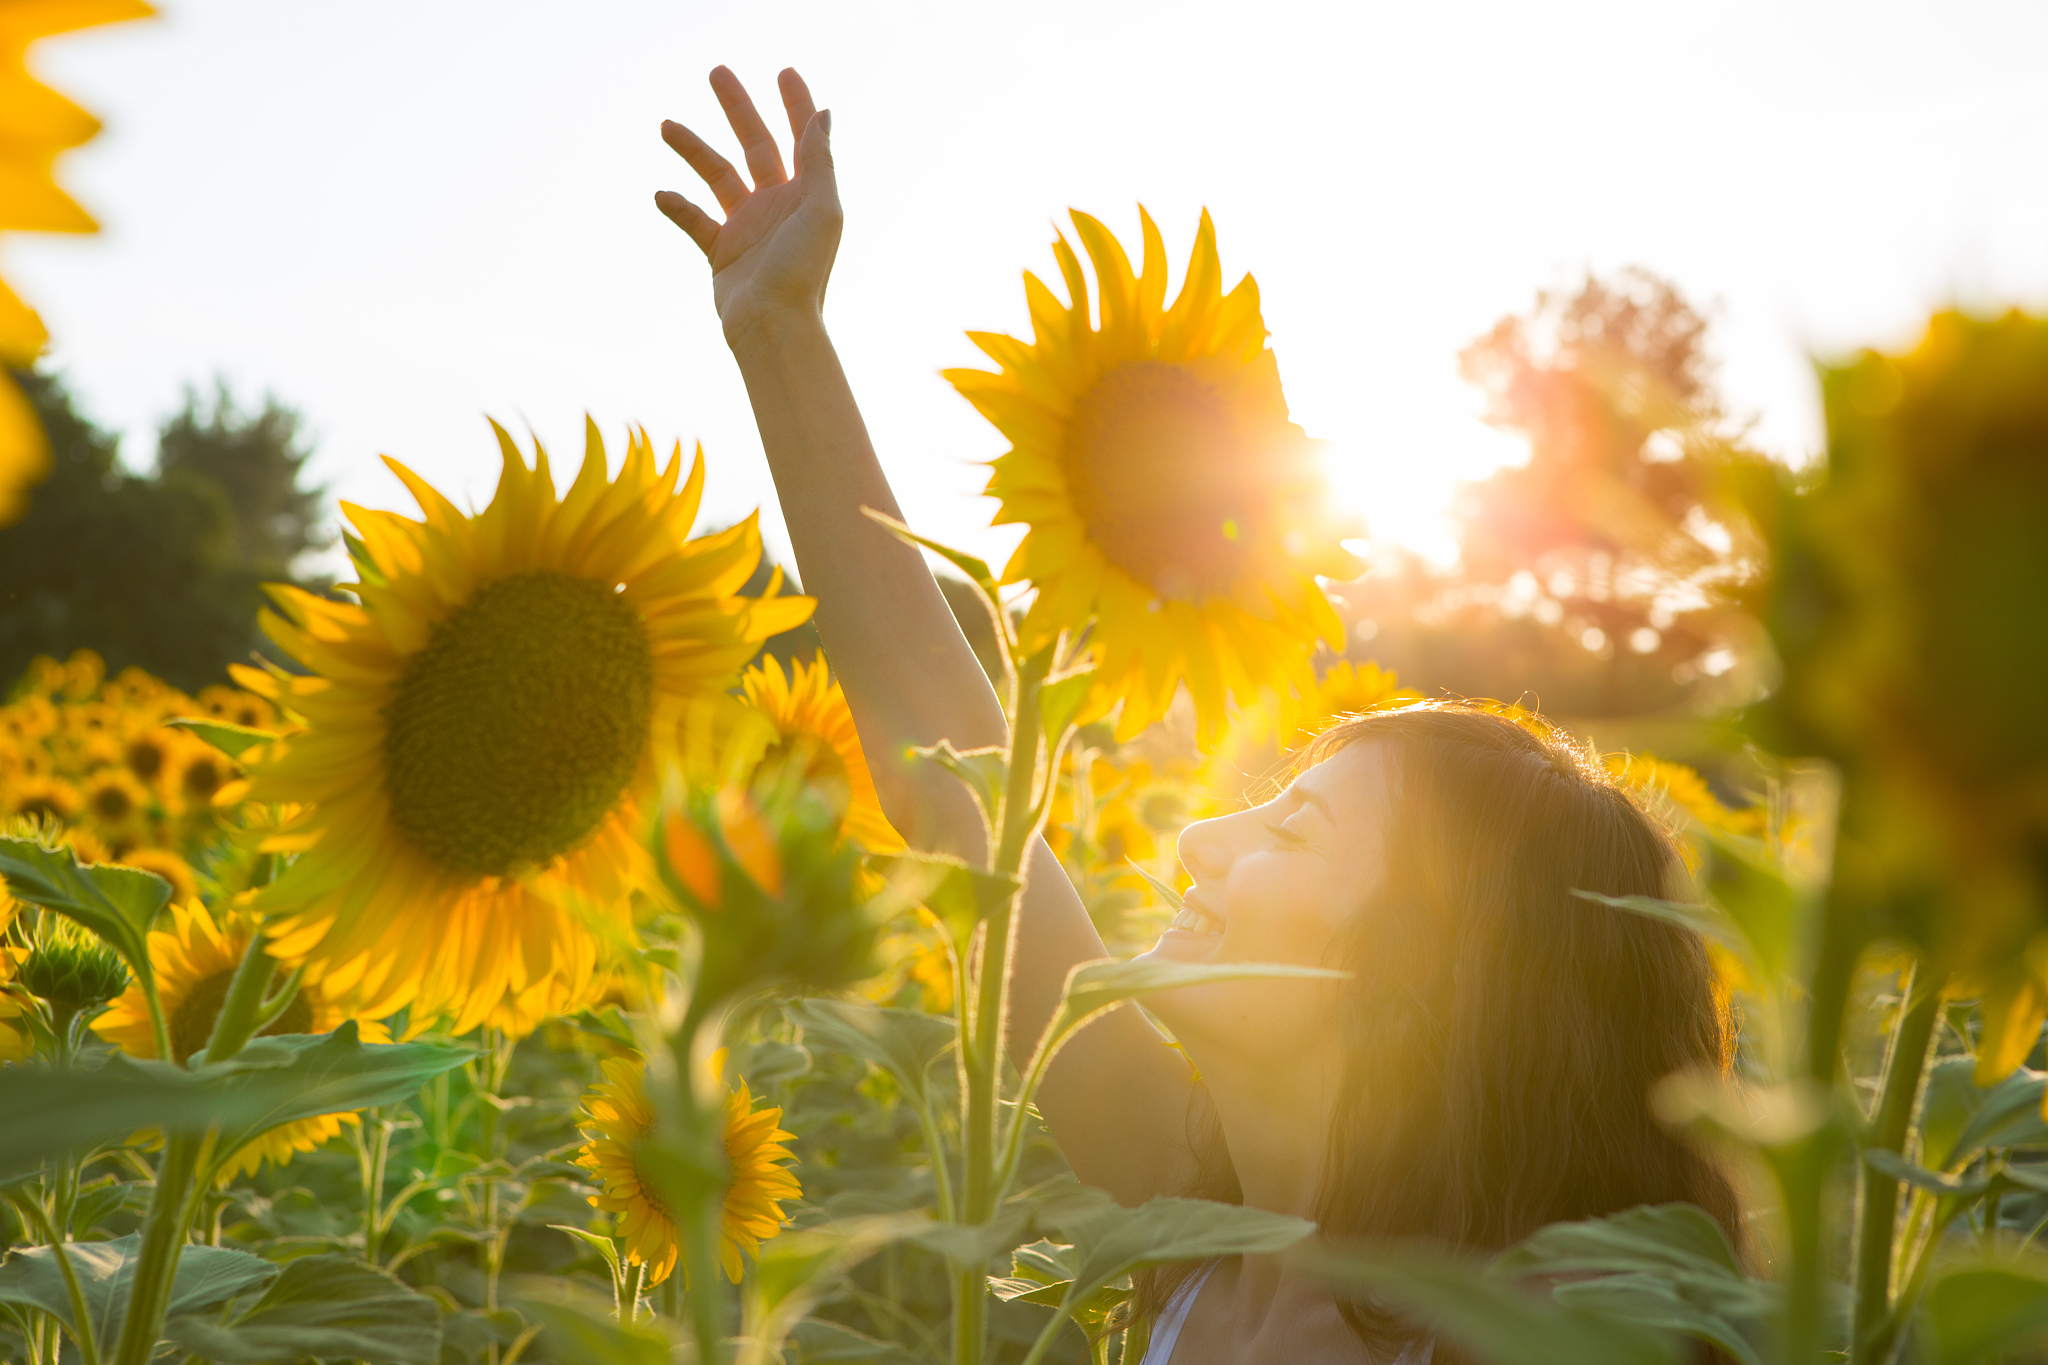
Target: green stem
697 1124
81 1335
490 1078
237 1022
1879 1202
629 1293
372 1151
982 1036
158 1025
162 1233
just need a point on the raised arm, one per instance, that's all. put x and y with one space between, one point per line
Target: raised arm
1116 1098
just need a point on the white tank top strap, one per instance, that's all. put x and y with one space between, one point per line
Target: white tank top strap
1166 1331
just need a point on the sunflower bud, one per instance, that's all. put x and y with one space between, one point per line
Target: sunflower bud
773 887
71 969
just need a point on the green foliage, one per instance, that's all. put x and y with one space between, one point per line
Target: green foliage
322 1307
105 1271
161 571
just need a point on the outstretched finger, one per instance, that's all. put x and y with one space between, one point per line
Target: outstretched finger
764 160
701 226
718 173
796 101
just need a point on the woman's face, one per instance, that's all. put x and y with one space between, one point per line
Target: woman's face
1277 883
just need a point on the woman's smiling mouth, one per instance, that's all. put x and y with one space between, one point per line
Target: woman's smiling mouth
1193 918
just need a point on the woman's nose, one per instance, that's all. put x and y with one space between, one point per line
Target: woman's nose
1204 848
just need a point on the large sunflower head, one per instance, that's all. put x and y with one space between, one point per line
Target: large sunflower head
473 743
1168 496
194 961
617 1117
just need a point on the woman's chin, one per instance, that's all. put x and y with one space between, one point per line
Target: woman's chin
1184 945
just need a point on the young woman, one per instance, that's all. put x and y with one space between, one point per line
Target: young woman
1486 1068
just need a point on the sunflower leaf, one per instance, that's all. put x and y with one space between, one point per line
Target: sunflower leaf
1488 1318
603 1246
904 1043
1110 1240
326 1307
1708 921
117 903
580 1326
1095 986
983 770
1975 1312
206 1277
333 1073
793 1271
1060 700
1164 890
232 740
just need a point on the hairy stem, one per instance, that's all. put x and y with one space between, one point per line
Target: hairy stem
237 1021
162 1232
1879 1193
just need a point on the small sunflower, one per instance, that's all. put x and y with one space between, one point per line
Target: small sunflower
618 1117
816 730
473 746
116 802
1168 496
194 962
46 798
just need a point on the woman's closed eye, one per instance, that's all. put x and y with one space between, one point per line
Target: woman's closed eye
1288 838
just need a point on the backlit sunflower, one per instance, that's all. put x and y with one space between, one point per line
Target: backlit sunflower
473 745
618 1117
36 123
816 730
194 961
1169 497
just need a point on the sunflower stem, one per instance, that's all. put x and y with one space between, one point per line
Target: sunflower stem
1891 1125
34 1216
163 1232
982 1031
240 1013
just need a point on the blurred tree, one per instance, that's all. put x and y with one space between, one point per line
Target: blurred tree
1594 576
162 571
258 460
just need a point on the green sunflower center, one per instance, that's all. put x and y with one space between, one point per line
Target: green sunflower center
191 1022
512 734
1161 476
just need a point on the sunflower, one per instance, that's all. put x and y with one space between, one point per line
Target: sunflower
116 803
1167 494
618 1117
194 961
473 746
36 123
46 798
815 729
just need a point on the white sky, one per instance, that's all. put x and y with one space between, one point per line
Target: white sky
400 215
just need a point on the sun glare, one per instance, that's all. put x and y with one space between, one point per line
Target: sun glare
1405 499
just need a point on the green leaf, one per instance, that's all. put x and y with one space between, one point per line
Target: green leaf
581 1327
1889 1163
603 1246
973 1244
959 895
1060 700
1164 890
815 1341
1741 879
206 1278
984 771
58 1112
1980 1311
329 1073
1666 1265
117 903
232 740
1489 1319
793 1270
904 1043
325 1308
1950 1099
1111 1241
2010 1116
1708 921
976 570
1095 986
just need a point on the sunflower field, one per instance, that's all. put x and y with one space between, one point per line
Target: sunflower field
519 966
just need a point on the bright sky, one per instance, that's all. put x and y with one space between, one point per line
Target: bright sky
401 215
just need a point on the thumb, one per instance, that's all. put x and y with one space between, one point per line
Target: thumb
814 158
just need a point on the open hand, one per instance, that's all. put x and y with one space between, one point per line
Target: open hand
774 251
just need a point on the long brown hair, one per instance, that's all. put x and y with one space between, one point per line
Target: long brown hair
1502 1035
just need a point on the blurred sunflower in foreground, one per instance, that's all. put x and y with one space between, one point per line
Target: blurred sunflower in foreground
36 123
1168 496
474 744
617 1117
194 961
